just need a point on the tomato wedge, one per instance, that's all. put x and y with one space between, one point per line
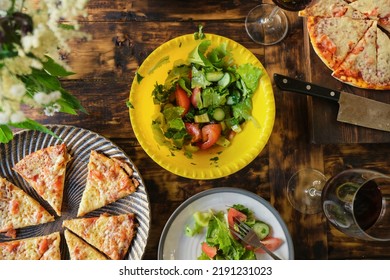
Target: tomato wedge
272 243
235 214
182 99
210 251
194 130
210 135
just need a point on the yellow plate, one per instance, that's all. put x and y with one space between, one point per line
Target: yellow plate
215 162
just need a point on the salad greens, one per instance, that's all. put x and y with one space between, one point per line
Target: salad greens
219 242
216 91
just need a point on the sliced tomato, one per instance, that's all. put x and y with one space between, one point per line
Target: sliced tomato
210 251
272 243
235 214
210 135
196 98
182 99
194 130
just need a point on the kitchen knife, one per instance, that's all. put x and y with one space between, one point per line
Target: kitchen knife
353 109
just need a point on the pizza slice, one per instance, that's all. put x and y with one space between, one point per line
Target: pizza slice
81 250
360 66
334 38
45 171
35 248
111 235
375 9
383 60
109 179
18 209
331 8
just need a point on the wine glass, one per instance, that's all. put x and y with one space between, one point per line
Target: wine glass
267 24
355 201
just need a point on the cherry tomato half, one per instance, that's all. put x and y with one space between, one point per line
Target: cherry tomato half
194 130
182 99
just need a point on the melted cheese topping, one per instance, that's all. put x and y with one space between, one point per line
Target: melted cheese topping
332 37
383 58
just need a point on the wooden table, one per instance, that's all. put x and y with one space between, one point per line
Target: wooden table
125 32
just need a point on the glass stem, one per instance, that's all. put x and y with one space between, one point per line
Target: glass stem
273 12
313 192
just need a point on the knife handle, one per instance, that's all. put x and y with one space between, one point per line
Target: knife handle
291 84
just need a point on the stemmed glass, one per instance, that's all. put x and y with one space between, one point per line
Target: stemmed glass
355 201
267 24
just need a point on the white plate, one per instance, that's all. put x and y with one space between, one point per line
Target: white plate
175 245
79 142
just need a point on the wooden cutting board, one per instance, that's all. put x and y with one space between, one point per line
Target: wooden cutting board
324 128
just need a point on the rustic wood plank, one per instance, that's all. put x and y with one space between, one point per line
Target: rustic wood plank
290 148
173 10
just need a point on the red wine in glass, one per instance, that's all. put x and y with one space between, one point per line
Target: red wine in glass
293 5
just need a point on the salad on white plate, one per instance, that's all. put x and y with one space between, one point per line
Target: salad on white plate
220 243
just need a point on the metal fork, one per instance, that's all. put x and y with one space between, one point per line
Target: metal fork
249 236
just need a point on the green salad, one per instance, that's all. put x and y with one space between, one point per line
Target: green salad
204 100
220 243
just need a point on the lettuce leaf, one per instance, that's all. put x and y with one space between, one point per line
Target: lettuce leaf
250 74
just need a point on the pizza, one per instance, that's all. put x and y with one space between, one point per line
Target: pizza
108 180
44 170
111 235
18 209
81 250
350 37
331 37
34 248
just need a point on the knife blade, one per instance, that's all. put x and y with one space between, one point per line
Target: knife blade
353 109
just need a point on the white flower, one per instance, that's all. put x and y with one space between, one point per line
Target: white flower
17 91
5 5
49 111
33 41
42 98
55 95
4 118
18 117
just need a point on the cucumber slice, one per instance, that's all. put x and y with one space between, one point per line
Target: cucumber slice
218 114
225 80
261 229
214 76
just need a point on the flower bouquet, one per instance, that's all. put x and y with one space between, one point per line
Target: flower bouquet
32 34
